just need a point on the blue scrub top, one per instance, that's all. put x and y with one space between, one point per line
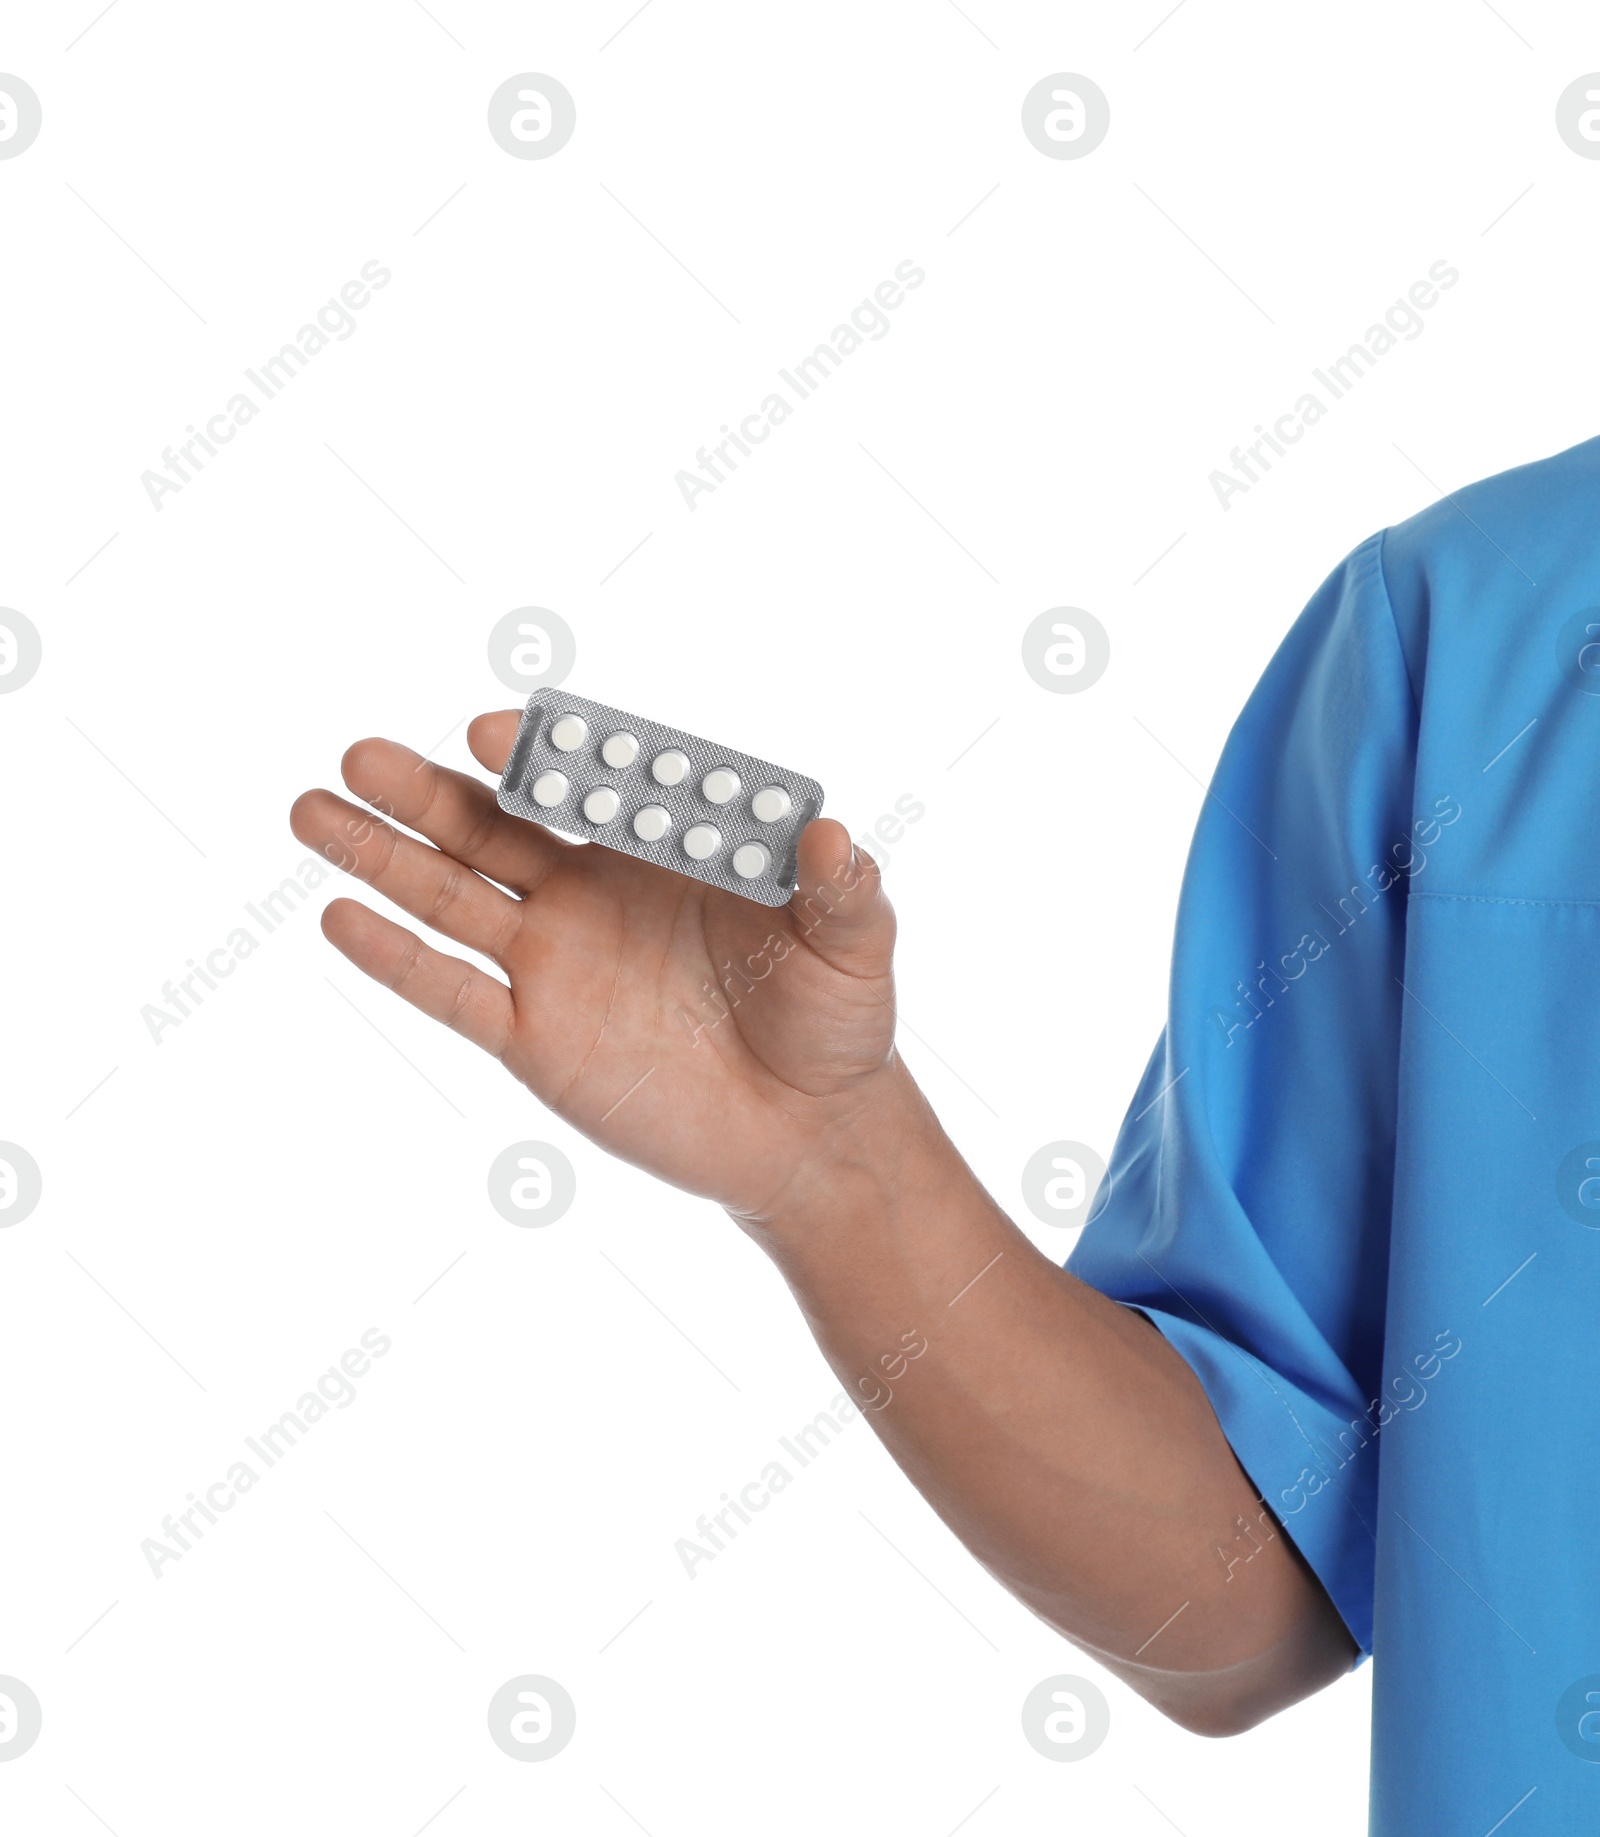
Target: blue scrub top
1358 1188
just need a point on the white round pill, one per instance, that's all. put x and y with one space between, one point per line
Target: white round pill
651 823
670 768
548 789
751 861
569 733
701 842
600 806
771 805
720 786
620 751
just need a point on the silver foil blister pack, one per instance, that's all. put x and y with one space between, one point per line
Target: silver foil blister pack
659 794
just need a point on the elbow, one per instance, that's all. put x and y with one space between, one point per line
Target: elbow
1217 1717
1234 1699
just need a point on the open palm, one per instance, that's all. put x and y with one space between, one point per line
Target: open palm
704 1037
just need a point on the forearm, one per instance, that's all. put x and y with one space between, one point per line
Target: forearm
1055 1431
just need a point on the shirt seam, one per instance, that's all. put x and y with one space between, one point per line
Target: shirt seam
1381 541
1502 899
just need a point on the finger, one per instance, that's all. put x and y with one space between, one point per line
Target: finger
462 998
839 903
490 737
456 812
430 886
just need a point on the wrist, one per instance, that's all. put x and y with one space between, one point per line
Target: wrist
866 1160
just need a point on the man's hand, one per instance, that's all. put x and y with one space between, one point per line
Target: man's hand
710 1040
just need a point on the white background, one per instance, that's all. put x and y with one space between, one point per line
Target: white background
276 1176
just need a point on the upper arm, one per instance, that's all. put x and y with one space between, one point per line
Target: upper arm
1246 1209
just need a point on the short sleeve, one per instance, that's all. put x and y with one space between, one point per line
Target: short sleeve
1247 1202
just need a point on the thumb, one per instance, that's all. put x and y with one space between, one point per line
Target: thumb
839 905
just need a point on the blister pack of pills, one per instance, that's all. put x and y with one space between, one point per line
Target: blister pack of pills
659 794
